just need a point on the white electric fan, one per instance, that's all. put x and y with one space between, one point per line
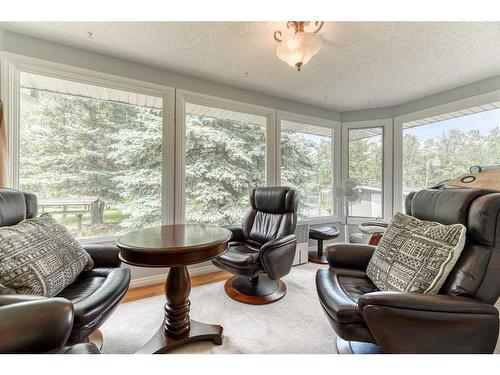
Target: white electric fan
348 192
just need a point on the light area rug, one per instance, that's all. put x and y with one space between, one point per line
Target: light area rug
295 324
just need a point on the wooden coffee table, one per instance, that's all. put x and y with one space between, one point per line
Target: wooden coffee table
176 246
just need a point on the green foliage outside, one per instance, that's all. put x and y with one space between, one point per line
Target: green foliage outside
365 161
78 147
224 160
306 165
426 163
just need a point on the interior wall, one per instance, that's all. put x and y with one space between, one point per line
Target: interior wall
38 48
452 95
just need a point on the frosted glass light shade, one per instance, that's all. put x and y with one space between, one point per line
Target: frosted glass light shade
297 49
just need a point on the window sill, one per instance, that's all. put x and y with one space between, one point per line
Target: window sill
98 240
359 220
320 220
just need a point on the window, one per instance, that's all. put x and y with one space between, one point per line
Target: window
439 148
92 154
225 157
307 165
365 166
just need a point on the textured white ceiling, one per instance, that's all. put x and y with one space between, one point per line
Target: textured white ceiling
361 65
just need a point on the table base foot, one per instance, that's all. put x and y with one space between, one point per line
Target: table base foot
160 343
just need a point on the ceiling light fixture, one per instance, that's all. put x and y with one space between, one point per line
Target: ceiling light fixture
297 49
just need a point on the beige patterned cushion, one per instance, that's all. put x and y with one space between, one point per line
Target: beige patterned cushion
39 256
415 255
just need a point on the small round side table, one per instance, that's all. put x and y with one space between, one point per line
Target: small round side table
176 246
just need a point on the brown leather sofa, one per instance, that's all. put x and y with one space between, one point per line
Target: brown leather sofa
31 324
95 293
460 319
262 249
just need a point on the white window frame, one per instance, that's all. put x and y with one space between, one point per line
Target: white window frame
387 164
335 127
11 67
183 97
473 101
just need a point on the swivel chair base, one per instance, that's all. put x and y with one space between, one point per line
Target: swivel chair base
260 290
357 347
96 338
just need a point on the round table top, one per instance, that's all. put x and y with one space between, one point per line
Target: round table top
173 245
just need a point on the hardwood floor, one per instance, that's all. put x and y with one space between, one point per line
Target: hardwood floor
158 289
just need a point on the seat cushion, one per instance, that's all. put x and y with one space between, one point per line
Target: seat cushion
338 294
240 259
323 233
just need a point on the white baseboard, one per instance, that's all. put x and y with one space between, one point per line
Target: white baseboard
156 279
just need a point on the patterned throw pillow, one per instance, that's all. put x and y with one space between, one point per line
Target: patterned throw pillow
415 255
39 256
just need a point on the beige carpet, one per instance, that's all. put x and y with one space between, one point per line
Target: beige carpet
295 324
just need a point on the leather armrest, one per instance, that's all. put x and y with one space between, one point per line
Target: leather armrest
276 256
423 323
103 255
427 302
349 255
237 232
109 294
36 326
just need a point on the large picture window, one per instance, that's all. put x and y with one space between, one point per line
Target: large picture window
443 147
91 154
366 167
225 157
307 165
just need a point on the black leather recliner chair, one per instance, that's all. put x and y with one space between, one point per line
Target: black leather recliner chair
460 319
32 324
262 249
95 293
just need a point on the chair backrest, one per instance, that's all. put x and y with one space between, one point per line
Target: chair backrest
273 214
16 206
477 271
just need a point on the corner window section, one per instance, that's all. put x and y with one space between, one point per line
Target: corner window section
443 147
365 166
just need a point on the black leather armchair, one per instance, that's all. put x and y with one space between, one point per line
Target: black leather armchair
461 318
262 249
95 293
31 324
